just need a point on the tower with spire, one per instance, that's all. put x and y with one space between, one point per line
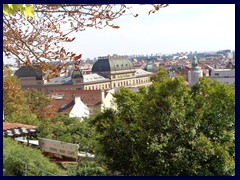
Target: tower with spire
77 76
195 73
150 66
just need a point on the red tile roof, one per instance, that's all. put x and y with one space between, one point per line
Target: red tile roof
8 125
88 97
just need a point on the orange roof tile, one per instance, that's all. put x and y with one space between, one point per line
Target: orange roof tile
88 97
8 125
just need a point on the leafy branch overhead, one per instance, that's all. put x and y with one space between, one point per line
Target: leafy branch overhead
36 33
25 9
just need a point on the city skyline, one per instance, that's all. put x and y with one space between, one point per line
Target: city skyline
176 28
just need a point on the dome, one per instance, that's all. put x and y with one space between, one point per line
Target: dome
29 71
76 74
112 63
149 67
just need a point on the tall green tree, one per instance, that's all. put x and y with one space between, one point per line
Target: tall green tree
15 104
169 129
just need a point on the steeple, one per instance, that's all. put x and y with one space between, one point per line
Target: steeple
149 67
195 73
194 62
76 74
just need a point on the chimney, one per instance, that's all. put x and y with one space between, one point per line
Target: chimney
73 95
77 99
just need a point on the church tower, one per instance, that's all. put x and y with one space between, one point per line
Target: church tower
150 66
195 73
77 76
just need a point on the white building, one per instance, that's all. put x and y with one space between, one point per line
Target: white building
108 100
225 76
79 110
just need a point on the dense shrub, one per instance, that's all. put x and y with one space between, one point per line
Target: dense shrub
15 154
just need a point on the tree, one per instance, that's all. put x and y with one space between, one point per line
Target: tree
169 129
25 9
40 38
160 75
38 102
71 130
14 102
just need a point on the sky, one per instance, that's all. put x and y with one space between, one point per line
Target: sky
176 28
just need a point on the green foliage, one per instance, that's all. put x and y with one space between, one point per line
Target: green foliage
169 129
86 168
14 154
38 102
161 74
211 158
29 118
72 130
25 9
216 108
15 104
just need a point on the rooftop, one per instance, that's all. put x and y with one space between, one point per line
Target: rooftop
8 125
140 72
66 101
112 63
94 77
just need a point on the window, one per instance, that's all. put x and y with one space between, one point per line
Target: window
216 74
63 107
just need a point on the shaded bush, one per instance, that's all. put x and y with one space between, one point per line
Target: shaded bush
15 154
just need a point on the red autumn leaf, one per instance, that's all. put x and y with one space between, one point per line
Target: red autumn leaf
115 27
78 57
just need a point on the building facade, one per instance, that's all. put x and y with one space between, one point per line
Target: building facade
108 72
224 76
